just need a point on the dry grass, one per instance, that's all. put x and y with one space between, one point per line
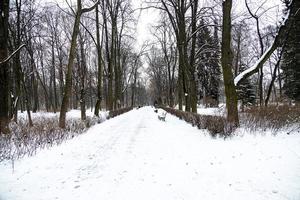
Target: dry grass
274 118
254 120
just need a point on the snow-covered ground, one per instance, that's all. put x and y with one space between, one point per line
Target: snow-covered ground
71 114
215 111
136 156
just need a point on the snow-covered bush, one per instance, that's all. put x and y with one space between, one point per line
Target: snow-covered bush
25 140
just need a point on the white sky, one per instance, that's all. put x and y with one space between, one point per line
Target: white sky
146 19
149 17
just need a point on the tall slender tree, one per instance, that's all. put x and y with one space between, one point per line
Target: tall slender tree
99 62
4 13
177 12
68 85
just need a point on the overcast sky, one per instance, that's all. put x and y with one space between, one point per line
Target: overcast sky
149 17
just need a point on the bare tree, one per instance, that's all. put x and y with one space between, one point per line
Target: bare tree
163 33
255 16
279 38
67 89
99 62
177 12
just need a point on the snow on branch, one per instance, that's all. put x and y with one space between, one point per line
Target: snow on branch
252 70
285 26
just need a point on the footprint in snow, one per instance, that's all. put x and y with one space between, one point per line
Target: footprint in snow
77 186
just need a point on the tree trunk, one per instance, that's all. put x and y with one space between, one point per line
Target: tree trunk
4 78
99 74
113 71
53 74
274 76
27 103
35 88
82 79
226 60
68 84
109 92
42 81
180 88
193 88
17 63
133 89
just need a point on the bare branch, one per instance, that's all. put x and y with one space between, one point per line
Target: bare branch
10 56
84 10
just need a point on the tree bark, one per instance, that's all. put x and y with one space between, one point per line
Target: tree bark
68 84
4 78
82 79
17 62
226 60
99 74
193 88
53 75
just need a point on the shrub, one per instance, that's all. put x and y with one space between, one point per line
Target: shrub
272 117
115 113
25 140
214 124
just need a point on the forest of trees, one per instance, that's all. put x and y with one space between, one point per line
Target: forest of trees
83 55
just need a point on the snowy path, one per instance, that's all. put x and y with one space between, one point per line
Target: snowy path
136 156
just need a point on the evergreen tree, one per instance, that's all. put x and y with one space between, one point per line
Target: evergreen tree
215 68
208 68
291 57
246 91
